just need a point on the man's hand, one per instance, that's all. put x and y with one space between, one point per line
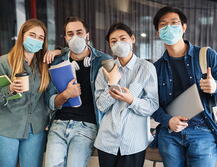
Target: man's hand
208 85
112 77
125 95
178 123
72 90
49 55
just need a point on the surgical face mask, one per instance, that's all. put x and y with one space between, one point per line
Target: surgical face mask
121 49
32 45
171 34
77 44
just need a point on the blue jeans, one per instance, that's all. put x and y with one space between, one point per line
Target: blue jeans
29 151
192 147
70 143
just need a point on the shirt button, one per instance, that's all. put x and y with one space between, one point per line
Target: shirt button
190 77
170 94
187 64
171 80
163 84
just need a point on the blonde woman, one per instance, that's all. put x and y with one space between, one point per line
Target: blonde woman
23 120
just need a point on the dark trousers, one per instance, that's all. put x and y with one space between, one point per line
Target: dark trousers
110 160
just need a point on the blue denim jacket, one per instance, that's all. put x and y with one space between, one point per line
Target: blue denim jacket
96 58
165 84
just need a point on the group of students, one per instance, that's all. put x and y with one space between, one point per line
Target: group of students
115 122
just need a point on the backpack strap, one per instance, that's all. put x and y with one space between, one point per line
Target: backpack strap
203 59
204 66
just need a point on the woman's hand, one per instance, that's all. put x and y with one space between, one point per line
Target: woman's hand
16 86
50 55
125 95
112 77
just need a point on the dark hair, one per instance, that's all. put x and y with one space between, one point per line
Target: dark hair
74 19
118 26
163 11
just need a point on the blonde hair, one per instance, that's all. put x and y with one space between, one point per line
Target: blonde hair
16 55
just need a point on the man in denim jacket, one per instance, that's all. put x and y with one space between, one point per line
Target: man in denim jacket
73 131
184 142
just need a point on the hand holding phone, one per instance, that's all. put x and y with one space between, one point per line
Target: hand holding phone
116 87
120 93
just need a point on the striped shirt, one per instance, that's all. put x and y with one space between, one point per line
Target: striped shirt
127 127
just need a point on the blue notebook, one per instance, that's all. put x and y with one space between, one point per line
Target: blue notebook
61 75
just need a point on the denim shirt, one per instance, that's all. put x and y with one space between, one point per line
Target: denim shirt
165 84
96 58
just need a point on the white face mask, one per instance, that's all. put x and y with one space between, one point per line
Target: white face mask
77 44
121 49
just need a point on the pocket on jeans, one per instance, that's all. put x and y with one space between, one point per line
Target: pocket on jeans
58 121
202 128
89 125
56 125
88 130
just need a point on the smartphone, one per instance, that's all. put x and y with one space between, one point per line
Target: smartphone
116 87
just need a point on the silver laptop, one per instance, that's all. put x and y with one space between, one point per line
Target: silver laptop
187 104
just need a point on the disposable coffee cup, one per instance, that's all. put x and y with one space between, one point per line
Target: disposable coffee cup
108 64
24 78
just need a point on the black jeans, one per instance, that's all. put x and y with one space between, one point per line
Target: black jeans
110 160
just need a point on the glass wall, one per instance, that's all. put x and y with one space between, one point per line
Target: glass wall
7 25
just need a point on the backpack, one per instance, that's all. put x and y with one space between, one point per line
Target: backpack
204 66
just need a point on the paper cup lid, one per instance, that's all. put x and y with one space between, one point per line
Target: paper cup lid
23 74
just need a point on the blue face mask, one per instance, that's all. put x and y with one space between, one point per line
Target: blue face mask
171 34
32 45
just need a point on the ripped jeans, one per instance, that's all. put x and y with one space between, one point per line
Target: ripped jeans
70 143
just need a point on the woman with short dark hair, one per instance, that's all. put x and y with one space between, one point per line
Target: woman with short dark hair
127 96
